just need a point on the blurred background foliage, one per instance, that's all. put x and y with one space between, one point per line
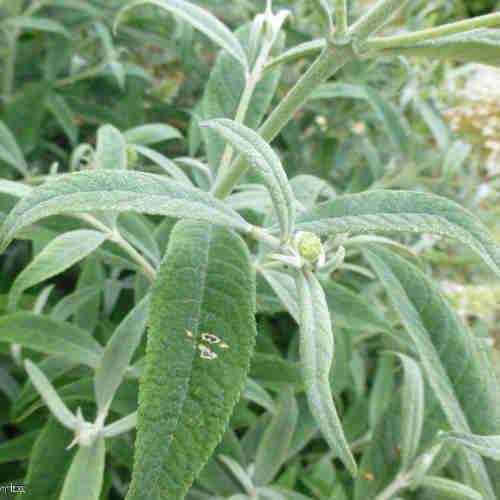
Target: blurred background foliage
423 126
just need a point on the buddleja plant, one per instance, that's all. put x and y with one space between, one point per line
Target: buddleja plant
199 293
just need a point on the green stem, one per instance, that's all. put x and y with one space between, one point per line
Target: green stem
340 18
487 21
328 63
390 491
9 66
82 75
115 236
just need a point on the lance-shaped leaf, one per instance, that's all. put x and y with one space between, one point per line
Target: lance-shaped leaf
17 448
118 354
111 149
201 337
85 475
405 211
201 19
167 165
449 489
50 396
120 426
60 254
412 409
116 191
275 443
37 24
267 165
306 49
10 152
49 336
151 133
459 373
487 446
480 45
316 355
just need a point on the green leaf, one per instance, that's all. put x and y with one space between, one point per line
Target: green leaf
10 152
50 337
37 24
487 446
276 440
412 409
64 115
120 426
48 462
151 134
17 448
71 303
306 49
85 475
60 254
205 285
116 191
480 45
447 488
458 372
316 355
50 396
266 164
167 165
255 393
111 149
201 19
118 353
405 211
111 54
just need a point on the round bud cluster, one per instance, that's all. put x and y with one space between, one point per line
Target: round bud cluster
308 245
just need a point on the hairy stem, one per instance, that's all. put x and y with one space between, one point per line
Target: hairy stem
340 18
147 269
327 63
393 488
489 20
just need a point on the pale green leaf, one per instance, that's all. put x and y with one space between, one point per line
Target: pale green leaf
60 254
487 446
71 303
167 165
64 115
266 164
85 475
16 189
412 409
306 49
276 440
446 488
201 19
111 149
192 381
401 211
17 448
120 426
45 335
151 134
117 191
50 396
480 45
118 353
10 152
258 395
316 355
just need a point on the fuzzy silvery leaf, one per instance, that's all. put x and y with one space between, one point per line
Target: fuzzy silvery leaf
50 396
42 334
120 426
111 149
480 45
275 443
487 446
316 355
116 191
201 19
382 390
401 211
306 49
59 107
459 374
266 164
118 353
85 476
111 55
37 24
60 254
258 395
12 188
202 331
412 409
449 489
151 133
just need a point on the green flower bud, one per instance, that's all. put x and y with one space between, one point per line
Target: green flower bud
309 245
